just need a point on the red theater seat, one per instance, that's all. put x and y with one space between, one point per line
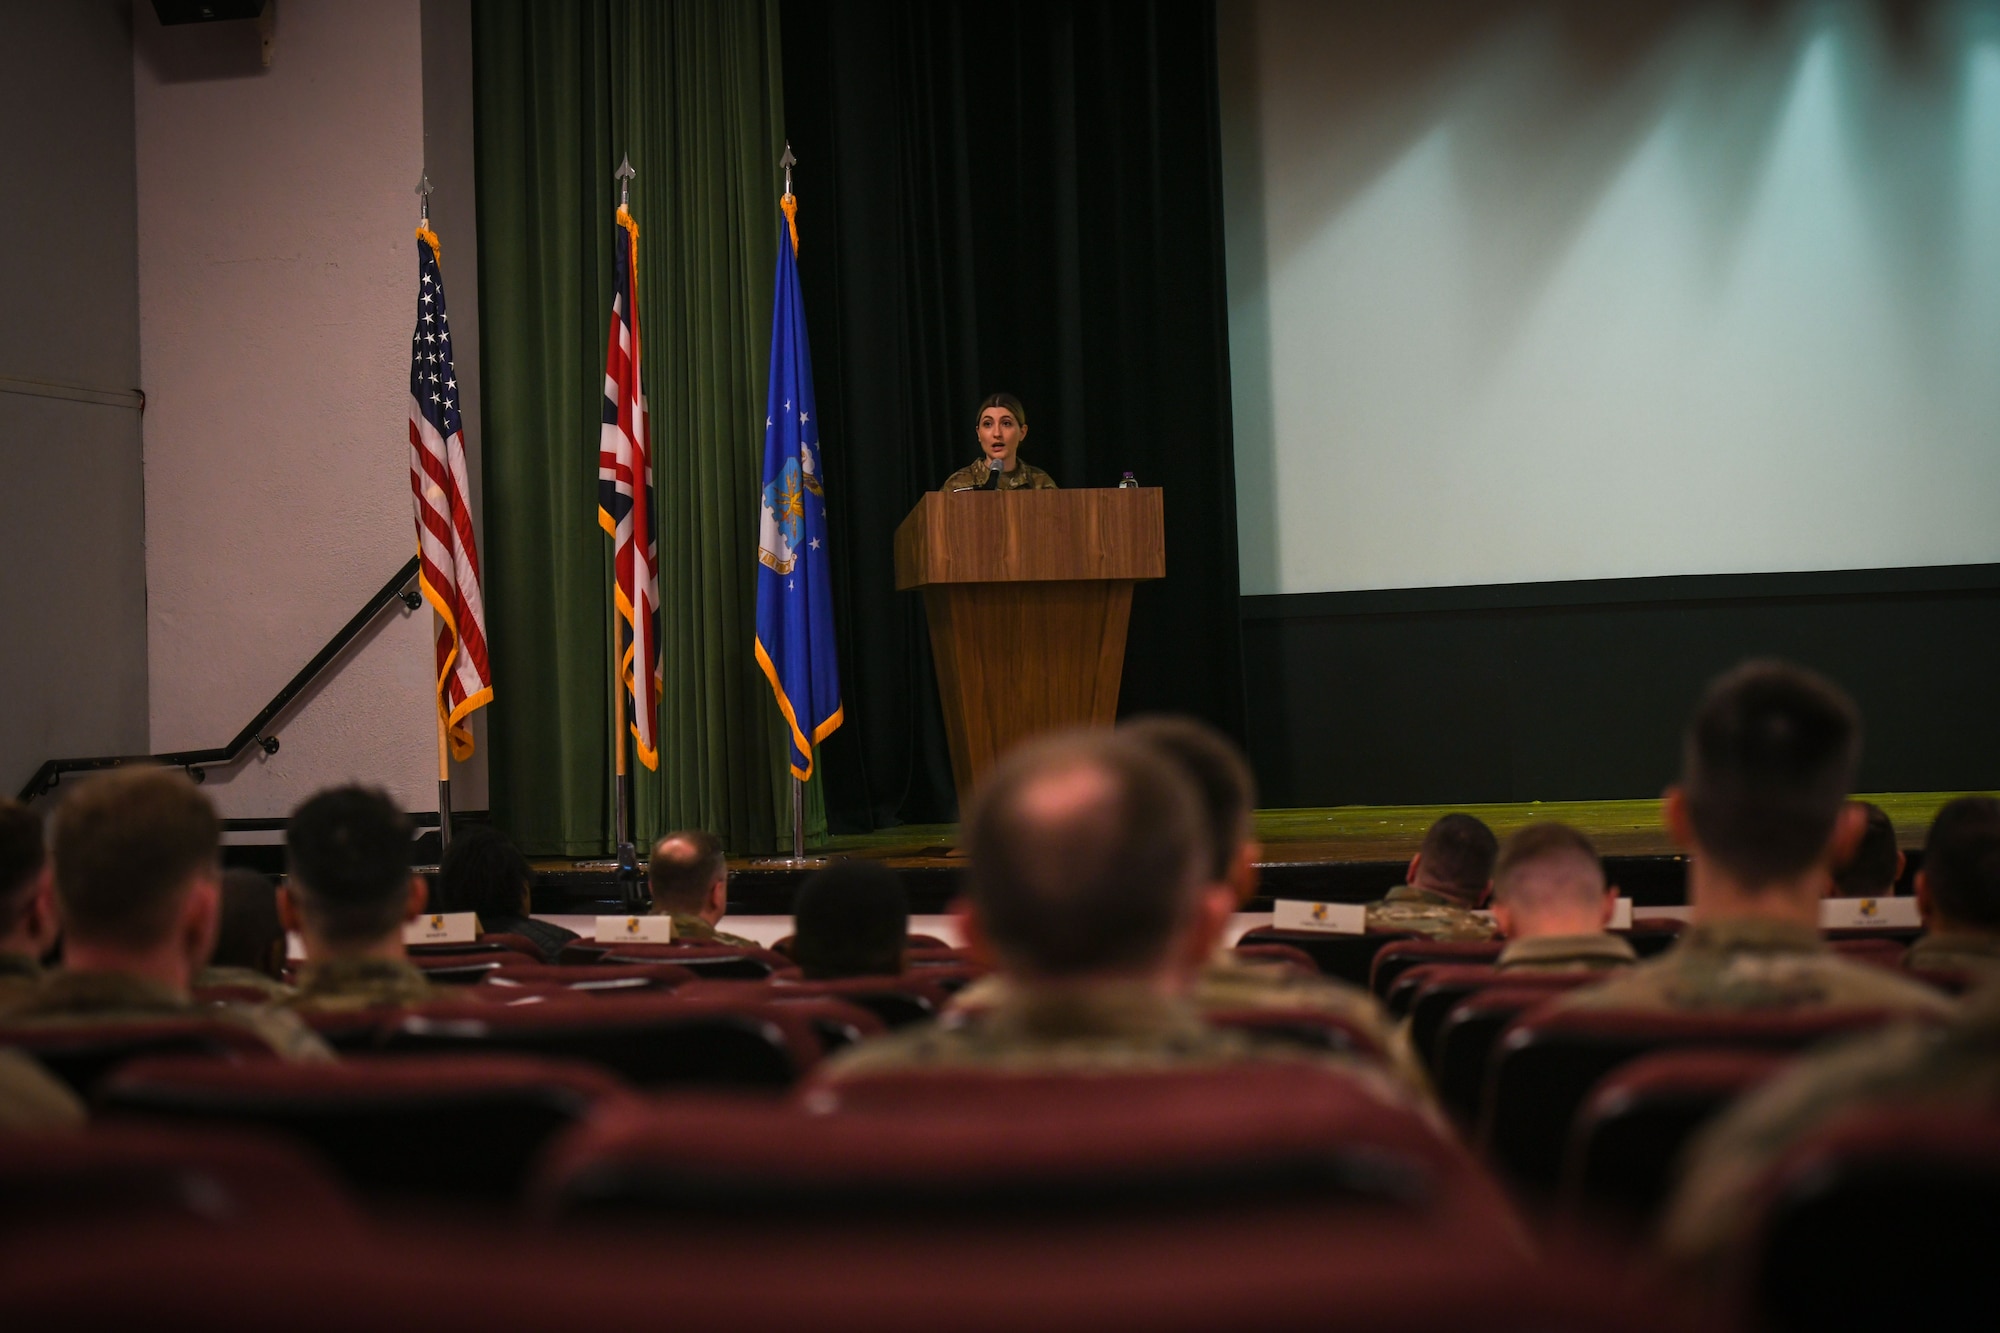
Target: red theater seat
1626 1146
1460 1013
898 1001
704 960
1357 1270
460 1127
1393 960
957 1148
491 942
1547 1062
1886 1218
594 978
1348 957
81 1054
648 1040
1277 953
1870 949
196 1181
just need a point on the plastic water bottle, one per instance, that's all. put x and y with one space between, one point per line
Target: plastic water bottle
1130 483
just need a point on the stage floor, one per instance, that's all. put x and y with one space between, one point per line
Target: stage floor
1342 853
1378 833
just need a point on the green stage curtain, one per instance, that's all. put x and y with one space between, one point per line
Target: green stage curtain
691 90
1020 195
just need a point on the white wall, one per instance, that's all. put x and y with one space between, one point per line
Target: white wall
1534 291
276 295
72 534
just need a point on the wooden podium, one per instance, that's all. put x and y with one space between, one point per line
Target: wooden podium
1029 594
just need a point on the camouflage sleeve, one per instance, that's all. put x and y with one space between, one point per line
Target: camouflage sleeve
282 1030
1726 1163
33 1099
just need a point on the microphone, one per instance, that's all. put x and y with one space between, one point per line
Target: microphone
992 476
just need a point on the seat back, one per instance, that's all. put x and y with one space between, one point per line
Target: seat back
460 968
1348 957
704 960
595 978
193 1180
1277 953
82 1053
458 1127
491 942
1623 1152
1468 1015
1875 949
1920 1187
1394 959
966 1147
897 1001
649 1041
1548 1061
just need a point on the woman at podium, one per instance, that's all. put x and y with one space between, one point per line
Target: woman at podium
1003 424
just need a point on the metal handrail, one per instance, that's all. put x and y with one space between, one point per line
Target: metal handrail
255 731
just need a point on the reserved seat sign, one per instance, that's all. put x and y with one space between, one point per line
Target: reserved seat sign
442 928
635 930
1859 913
1331 918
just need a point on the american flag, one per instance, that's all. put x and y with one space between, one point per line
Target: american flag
449 575
624 498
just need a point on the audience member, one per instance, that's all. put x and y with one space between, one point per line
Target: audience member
1762 808
1875 865
1957 1065
689 877
483 872
1447 880
1551 903
137 879
1090 883
851 919
1227 793
348 893
250 942
28 925
1958 891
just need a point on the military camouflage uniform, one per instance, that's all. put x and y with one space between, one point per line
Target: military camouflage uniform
241 978
1105 1028
1954 1065
1024 477
31 1098
1567 953
694 930
1410 910
78 998
1973 952
19 974
1736 965
361 983
1229 982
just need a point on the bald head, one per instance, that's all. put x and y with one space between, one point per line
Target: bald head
1087 850
1549 880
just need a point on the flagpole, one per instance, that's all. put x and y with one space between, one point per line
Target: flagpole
798 820
628 855
444 783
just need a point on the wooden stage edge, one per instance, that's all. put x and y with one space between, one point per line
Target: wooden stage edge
1342 853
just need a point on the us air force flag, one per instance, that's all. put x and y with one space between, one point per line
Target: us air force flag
794 595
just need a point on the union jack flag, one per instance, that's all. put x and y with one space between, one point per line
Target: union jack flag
624 498
449 570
